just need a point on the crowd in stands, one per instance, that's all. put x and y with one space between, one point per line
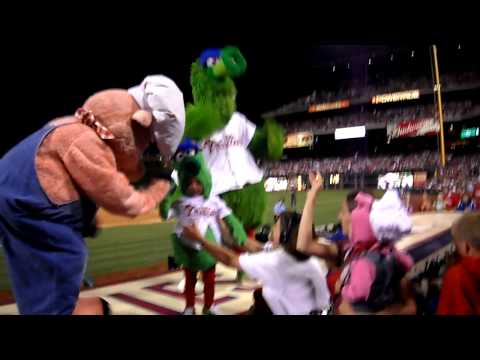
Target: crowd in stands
357 91
453 111
461 172
356 164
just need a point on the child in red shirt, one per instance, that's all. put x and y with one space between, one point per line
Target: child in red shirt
453 198
460 294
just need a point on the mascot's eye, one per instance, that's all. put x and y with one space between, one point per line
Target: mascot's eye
211 61
179 157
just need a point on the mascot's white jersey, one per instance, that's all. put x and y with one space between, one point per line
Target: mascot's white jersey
230 162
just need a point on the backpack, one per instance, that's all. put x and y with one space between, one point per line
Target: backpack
385 289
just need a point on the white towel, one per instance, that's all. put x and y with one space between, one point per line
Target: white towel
389 218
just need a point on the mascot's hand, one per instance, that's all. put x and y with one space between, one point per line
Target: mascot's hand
164 208
267 143
154 169
234 231
91 230
160 172
202 120
275 139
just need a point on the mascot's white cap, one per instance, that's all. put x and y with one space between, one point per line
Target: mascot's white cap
162 97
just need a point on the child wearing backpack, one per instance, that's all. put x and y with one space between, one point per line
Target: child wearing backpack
372 277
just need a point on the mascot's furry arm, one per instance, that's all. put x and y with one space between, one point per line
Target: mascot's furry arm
267 143
202 121
236 230
168 201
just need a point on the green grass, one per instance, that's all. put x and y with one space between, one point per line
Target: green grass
125 248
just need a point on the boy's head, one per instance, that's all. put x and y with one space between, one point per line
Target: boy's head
285 233
194 187
194 177
466 235
344 215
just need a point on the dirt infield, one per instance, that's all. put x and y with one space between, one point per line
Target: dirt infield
107 220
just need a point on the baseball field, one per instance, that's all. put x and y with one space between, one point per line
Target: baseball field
124 248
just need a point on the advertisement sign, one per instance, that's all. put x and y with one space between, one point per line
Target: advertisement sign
397 96
329 106
395 180
410 128
468 133
276 184
298 140
350 132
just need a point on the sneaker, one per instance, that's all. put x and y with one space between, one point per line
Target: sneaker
181 285
198 286
189 311
212 311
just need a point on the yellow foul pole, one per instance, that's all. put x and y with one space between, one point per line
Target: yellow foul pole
438 93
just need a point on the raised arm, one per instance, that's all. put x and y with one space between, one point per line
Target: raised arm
305 241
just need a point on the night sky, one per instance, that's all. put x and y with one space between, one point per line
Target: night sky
49 71
51 77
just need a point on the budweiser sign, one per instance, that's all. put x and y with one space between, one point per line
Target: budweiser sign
410 128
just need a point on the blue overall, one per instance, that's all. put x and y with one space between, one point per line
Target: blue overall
43 242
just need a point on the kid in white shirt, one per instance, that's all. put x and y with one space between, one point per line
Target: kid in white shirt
293 283
199 208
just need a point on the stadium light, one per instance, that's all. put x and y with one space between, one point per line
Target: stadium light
459 47
333 69
348 66
369 61
350 132
413 53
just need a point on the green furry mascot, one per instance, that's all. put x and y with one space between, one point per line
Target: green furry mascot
209 214
231 143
